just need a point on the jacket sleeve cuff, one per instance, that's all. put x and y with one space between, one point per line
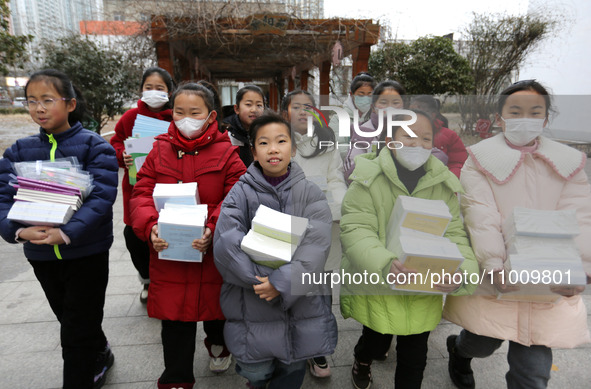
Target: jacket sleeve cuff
65 237
149 231
16 236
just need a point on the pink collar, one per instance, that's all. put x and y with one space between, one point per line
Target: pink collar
524 149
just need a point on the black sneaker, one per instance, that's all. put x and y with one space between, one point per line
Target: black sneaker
319 367
459 368
104 361
361 375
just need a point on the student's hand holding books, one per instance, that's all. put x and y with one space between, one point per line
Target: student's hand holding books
397 268
449 287
499 276
203 243
33 233
127 160
265 289
42 235
158 243
567 291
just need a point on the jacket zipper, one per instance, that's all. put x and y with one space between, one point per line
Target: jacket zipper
53 143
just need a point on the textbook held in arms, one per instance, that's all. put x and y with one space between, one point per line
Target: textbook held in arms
274 237
415 235
541 252
179 225
182 193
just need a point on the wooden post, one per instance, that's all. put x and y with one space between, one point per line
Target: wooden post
304 80
163 53
360 59
273 96
324 82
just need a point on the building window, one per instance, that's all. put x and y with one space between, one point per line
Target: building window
118 17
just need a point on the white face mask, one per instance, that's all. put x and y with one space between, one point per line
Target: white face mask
363 103
155 98
412 158
191 128
522 131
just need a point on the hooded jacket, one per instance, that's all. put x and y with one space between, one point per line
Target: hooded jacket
498 178
91 228
185 291
365 215
299 323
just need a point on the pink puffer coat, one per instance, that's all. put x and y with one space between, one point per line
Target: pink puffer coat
497 178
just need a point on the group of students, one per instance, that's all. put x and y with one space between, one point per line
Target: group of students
273 325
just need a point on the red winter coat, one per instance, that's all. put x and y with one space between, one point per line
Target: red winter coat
185 291
123 131
450 143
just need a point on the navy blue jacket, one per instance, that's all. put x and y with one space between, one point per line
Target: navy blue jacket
91 228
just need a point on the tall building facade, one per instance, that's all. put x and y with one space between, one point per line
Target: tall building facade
140 10
50 19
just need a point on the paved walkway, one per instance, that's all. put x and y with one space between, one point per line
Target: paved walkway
30 353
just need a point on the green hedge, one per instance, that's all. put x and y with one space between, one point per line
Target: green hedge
12 111
450 108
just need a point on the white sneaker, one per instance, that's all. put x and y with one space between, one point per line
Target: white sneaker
144 294
219 364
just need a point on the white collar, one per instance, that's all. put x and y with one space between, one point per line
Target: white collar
500 162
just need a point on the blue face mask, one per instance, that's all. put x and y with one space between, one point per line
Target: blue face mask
363 103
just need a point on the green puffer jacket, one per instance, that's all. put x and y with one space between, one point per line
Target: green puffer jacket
365 212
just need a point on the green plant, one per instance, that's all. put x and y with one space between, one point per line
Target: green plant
107 78
428 65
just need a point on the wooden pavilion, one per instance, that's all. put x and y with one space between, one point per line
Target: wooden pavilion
274 47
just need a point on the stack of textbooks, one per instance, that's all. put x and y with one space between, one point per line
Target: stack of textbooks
49 193
182 193
274 237
140 143
138 148
541 252
147 126
179 225
415 235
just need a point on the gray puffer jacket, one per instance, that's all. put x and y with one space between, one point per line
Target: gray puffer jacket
298 324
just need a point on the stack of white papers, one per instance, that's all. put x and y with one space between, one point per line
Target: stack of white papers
541 242
535 274
430 216
267 251
278 225
147 126
274 237
179 225
183 193
138 148
547 224
40 214
415 235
